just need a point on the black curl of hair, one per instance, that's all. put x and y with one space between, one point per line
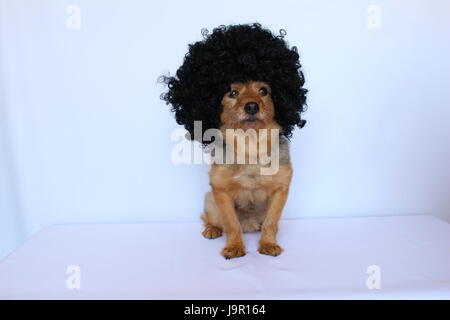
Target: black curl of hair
236 53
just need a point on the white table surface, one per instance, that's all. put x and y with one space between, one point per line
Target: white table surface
323 259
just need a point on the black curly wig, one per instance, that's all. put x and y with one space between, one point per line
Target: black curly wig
236 53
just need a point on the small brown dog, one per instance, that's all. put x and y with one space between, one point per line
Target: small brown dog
243 200
242 78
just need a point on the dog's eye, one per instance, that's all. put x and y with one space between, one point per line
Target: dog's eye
233 93
262 91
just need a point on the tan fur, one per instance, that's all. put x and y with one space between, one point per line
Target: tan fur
243 200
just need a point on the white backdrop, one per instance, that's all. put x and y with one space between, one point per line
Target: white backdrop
84 137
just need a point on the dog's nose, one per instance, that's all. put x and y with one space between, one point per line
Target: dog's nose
251 107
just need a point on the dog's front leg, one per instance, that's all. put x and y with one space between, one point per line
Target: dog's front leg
268 242
232 228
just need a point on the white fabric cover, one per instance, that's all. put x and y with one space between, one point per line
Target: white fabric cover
323 259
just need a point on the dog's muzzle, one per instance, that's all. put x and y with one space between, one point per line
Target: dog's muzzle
251 108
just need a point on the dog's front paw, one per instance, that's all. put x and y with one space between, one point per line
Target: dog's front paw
271 249
233 251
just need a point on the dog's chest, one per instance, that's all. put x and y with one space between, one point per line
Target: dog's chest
249 177
251 189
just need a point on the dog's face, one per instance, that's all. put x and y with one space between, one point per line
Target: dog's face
247 105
